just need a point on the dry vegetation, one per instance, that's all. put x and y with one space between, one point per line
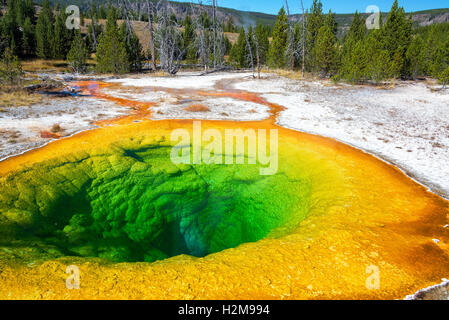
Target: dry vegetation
232 37
141 30
295 75
35 65
56 128
17 98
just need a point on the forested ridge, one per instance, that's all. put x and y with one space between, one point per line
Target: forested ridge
396 49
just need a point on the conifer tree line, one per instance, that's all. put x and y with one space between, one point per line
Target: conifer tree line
396 50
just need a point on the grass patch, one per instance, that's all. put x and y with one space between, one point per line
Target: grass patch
18 98
159 73
34 65
295 75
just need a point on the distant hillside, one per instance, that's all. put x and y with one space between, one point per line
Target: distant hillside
241 18
246 18
429 17
420 18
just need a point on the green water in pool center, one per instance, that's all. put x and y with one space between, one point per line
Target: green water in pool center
136 205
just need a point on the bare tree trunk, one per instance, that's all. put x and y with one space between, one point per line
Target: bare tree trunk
151 34
139 11
168 37
93 24
256 42
250 53
201 42
129 29
292 39
303 38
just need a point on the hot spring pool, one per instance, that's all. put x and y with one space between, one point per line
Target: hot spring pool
139 226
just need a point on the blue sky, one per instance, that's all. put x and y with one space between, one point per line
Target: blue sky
339 6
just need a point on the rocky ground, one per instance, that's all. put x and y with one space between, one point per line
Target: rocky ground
23 128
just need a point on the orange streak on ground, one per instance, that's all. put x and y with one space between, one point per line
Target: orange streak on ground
141 109
94 88
275 109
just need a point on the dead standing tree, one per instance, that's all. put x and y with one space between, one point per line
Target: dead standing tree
220 45
258 54
151 34
291 46
94 26
123 5
168 39
250 55
201 42
209 39
218 38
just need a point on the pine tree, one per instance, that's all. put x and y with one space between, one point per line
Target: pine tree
188 39
102 12
416 54
62 37
331 23
28 39
3 39
132 46
325 51
111 52
396 34
379 65
230 26
432 42
398 62
24 10
315 21
44 32
356 69
276 53
357 30
440 59
11 29
444 77
239 51
78 54
261 34
227 45
10 68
